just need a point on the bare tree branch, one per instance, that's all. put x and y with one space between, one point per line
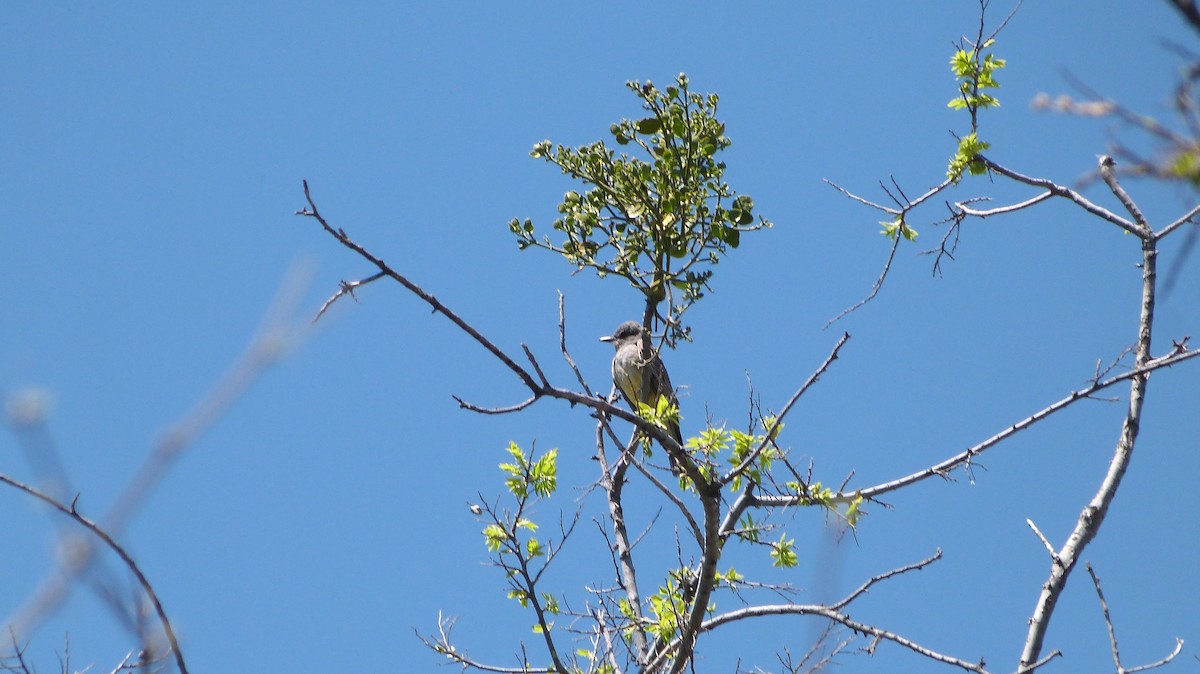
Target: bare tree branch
770 432
1189 11
613 483
346 288
1186 218
1088 524
904 206
438 307
442 644
1066 193
277 334
1106 172
126 558
1112 633
494 410
875 287
843 619
601 405
862 589
1003 210
1176 356
1042 538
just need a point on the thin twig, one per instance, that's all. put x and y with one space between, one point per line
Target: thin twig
1002 210
1066 193
443 646
843 619
276 335
862 589
875 287
1184 219
940 469
438 307
855 197
1159 663
494 410
536 368
126 558
1042 538
904 207
1112 632
770 431
1106 173
562 341
346 288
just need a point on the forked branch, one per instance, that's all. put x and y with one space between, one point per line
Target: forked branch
104 537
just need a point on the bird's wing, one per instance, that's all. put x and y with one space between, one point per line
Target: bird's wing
660 384
660 381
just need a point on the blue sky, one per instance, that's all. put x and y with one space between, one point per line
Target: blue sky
154 161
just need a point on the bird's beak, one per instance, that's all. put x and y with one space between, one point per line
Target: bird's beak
606 338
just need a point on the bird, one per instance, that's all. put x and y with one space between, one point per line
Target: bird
639 379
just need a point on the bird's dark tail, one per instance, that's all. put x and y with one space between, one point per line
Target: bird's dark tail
676 468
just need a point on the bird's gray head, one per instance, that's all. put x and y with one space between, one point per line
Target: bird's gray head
625 332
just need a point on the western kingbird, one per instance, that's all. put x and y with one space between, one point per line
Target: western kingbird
638 379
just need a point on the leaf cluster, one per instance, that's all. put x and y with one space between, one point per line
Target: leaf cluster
898 226
966 158
721 445
975 71
511 534
662 414
525 474
659 218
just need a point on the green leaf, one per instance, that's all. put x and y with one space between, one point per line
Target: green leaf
648 125
854 510
750 531
966 158
783 553
730 235
892 228
521 597
544 474
494 536
533 548
625 607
